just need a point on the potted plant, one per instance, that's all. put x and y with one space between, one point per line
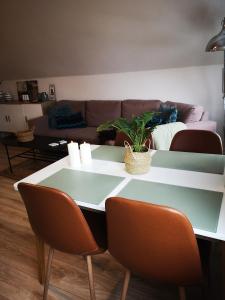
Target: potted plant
137 155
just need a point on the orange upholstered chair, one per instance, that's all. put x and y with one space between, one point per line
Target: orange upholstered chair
194 140
155 242
58 221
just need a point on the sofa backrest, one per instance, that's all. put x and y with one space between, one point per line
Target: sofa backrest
97 112
101 111
133 107
187 113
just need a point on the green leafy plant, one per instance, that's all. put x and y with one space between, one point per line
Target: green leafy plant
135 129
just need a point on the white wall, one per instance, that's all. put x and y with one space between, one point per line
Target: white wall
198 85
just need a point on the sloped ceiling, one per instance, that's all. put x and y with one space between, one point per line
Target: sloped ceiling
78 37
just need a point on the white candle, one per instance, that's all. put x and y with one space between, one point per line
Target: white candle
85 153
74 155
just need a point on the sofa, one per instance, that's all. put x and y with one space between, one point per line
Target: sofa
96 112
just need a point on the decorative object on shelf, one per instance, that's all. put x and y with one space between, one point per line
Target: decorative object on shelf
7 96
217 43
74 154
1 95
137 155
29 89
42 97
52 94
85 153
25 97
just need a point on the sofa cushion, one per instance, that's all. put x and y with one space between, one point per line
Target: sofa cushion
87 134
62 116
73 120
75 105
137 107
101 111
106 135
187 113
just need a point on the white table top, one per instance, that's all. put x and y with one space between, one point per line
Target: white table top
183 178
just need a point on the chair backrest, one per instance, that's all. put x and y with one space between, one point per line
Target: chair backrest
57 219
156 242
194 140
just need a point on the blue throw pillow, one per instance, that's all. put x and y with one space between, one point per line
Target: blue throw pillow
169 113
62 116
74 120
166 114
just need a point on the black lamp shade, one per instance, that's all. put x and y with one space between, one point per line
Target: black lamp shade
217 43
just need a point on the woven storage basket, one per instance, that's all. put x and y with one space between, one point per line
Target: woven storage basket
137 162
25 136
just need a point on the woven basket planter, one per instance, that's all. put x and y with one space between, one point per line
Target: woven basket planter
137 162
25 136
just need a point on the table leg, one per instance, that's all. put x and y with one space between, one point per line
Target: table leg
41 259
8 157
34 154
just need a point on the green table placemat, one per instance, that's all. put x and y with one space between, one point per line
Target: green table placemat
198 162
83 186
111 153
202 207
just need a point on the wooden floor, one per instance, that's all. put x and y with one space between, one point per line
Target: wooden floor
18 264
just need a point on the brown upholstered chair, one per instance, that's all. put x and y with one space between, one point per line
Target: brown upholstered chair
155 242
194 140
58 221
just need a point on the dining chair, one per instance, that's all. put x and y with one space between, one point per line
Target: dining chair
154 242
57 220
195 140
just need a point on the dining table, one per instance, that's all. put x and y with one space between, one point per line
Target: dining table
192 183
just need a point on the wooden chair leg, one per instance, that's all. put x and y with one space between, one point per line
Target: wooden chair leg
182 293
41 259
48 272
125 285
223 268
90 277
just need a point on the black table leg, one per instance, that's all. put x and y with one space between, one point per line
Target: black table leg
8 157
34 154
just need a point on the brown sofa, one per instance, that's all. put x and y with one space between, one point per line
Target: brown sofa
95 112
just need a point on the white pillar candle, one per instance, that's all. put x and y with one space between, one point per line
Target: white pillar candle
85 153
74 155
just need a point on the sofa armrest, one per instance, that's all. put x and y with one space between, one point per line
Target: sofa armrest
204 125
205 116
33 122
40 125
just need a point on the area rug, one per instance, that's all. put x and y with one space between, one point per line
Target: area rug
24 169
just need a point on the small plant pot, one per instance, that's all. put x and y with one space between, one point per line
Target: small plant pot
137 162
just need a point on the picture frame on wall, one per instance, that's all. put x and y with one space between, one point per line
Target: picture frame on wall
27 90
52 93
